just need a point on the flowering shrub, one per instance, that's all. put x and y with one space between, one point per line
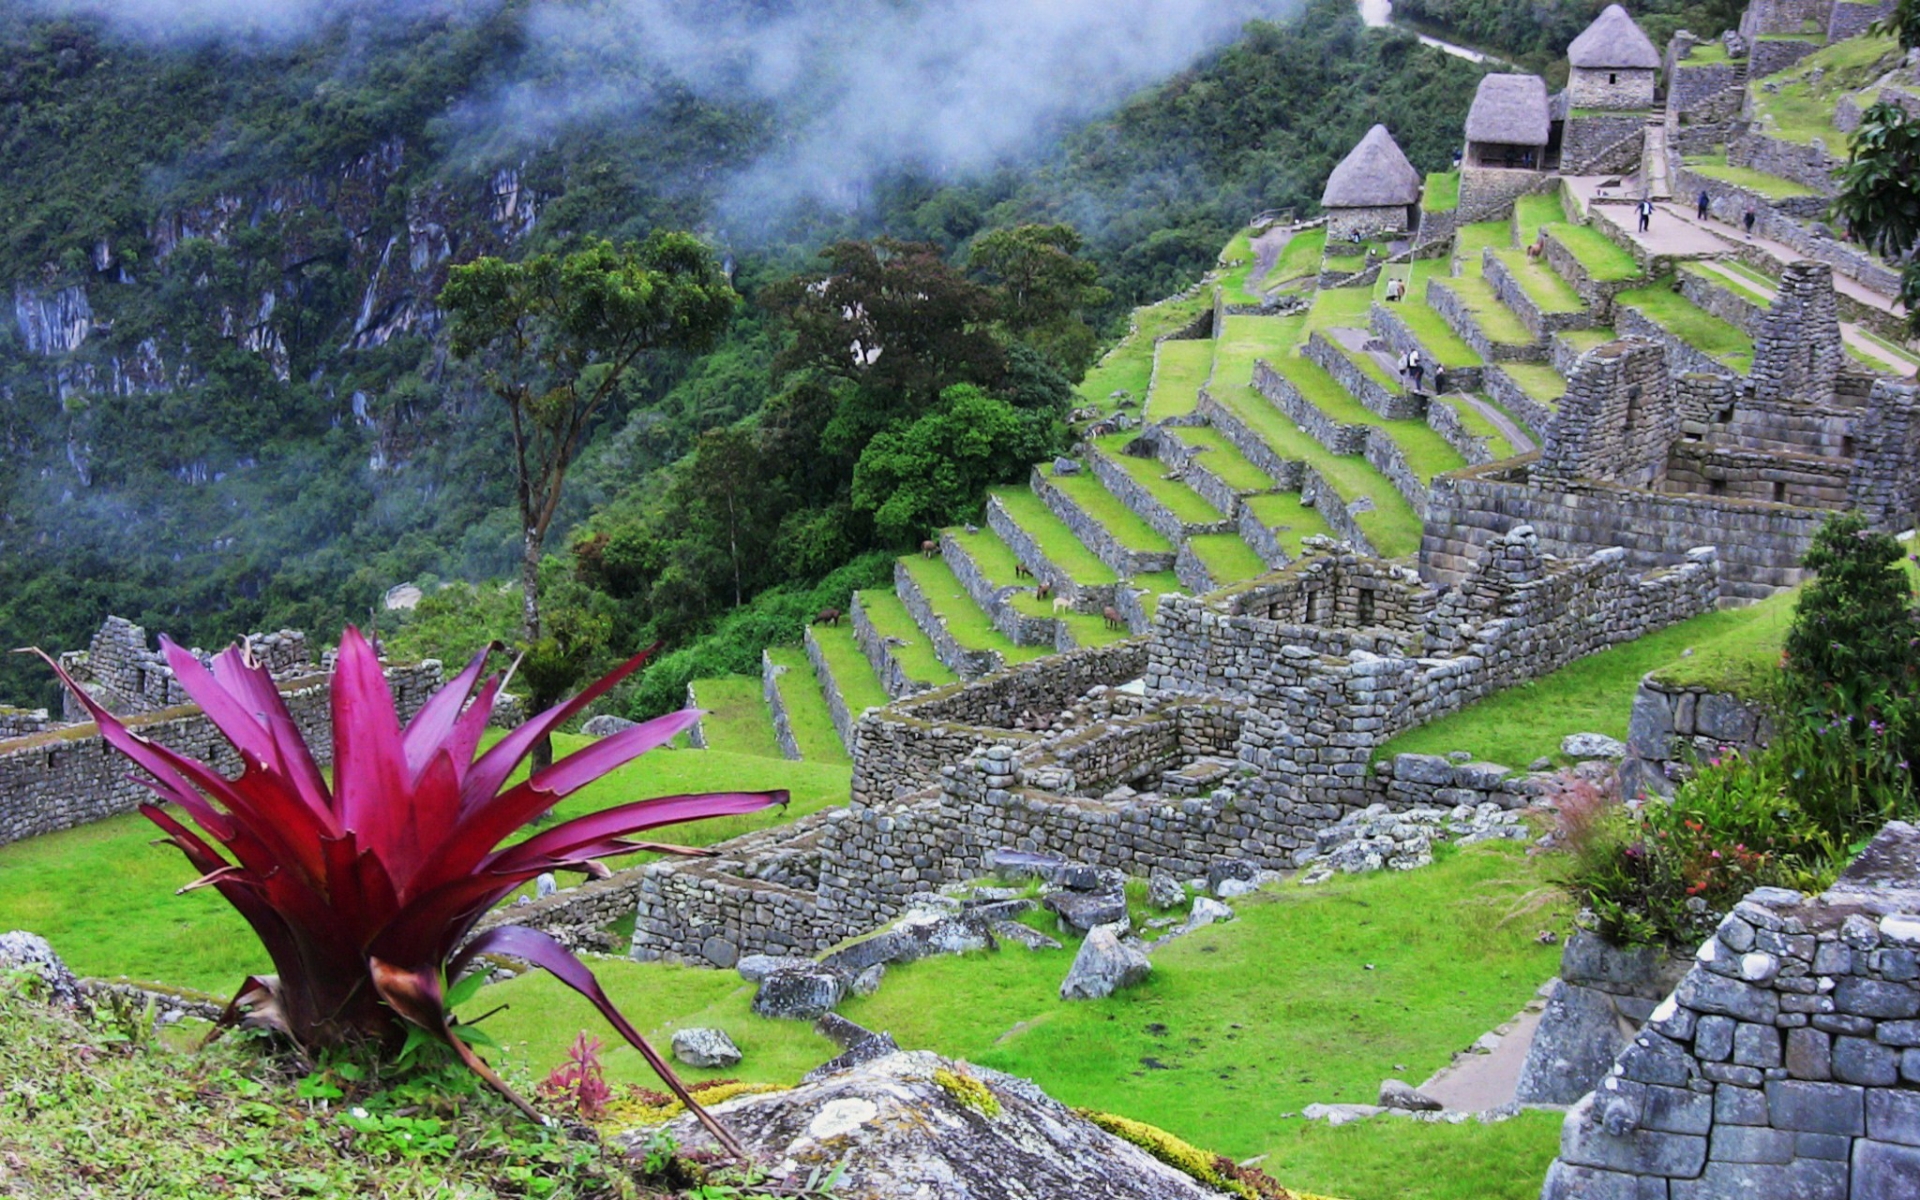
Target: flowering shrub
580 1083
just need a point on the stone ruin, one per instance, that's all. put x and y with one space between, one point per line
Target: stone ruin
127 675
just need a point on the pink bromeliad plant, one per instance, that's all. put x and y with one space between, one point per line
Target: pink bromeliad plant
365 894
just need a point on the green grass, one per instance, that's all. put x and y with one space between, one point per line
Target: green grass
1740 287
1183 368
738 720
1469 241
103 893
1602 259
1290 519
1416 1160
1773 187
1541 283
1096 501
1348 308
1801 110
1442 344
1248 339
860 688
1759 279
1427 453
890 618
1538 380
1500 323
995 559
967 623
1477 424
1226 557
1054 538
1186 504
1583 340
1707 54
1237 262
1532 212
807 712
1090 629
1129 365
1301 256
1223 459
1693 325
1442 193
1157 584
1311 994
1593 694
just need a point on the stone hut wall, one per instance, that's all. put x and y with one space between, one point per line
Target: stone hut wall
1887 445
1603 140
1622 88
1616 420
1787 1061
1673 727
1488 193
70 776
1362 224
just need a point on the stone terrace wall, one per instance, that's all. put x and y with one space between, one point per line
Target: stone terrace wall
1672 727
1285 472
70 776
1786 1063
770 673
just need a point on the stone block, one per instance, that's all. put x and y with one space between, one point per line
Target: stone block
1809 1054
1816 1107
1859 996
1857 1060
1712 993
1573 1047
1568 1182
1584 1142
1885 1171
1893 1116
1751 1144
1739 1105
1713 1038
1756 1046
1829 1146
1804 1179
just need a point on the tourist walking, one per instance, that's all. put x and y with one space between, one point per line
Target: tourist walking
1646 213
1706 204
1439 379
1747 220
1415 368
1396 288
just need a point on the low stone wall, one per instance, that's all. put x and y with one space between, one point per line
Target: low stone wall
770 692
1849 20
1385 456
1385 402
1682 358
1284 472
1444 420
1197 472
1672 728
1784 1064
1336 436
1511 293
1807 165
1603 996
968 664
1598 143
1326 500
70 776
1459 318
1769 56
1430 781
1598 293
1264 541
893 676
1146 505
830 688
1086 598
1022 629
1722 301
1400 339
1191 572
1094 536
1468 508
1488 193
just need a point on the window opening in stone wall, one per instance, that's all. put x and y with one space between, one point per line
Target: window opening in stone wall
1363 608
1633 409
1716 487
1846 446
1779 492
1613 77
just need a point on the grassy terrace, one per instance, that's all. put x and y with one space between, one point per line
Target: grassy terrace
1301 256
738 720
1248 339
1470 240
1103 506
1541 283
1393 527
1477 424
1740 285
1290 520
1693 325
996 561
1442 192
1442 344
912 650
1051 534
1226 557
1426 451
966 621
807 712
1236 265
1773 187
1759 279
1532 212
1223 459
1597 254
1800 109
1183 367
1345 307
1351 257
1129 366
852 673
1583 340
1900 352
1150 473
1500 323
1538 380
1707 54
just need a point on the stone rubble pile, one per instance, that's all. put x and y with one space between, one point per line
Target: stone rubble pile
1377 838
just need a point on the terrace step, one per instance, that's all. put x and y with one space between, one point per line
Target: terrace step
902 657
1180 369
1104 525
1153 492
1045 544
1530 392
803 721
1750 293
848 684
1696 340
1473 310
737 719
962 633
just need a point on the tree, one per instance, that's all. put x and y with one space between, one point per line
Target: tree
1043 289
1880 193
555 335
932 472
1903 22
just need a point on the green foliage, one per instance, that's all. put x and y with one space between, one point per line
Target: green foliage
1043 289
1903 23
933 472
1880 186
1535 33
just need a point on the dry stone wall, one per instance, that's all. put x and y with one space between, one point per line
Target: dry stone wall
1672 728
1094 536
1383 401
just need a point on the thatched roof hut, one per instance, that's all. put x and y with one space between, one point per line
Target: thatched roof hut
1509 110
1613 43
1374 174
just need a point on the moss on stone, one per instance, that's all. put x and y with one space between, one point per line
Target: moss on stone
968 1092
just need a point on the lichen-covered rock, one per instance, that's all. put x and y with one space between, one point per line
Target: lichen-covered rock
1398 1093
800 994
1592 745
20 950
1084 911
756 967
915 1125
1164 891
605 725
705 1048
1104 965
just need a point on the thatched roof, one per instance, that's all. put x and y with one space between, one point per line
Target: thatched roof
1374 174
1509 110
1613 42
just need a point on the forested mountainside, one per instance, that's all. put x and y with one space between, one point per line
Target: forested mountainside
1535 33
225 393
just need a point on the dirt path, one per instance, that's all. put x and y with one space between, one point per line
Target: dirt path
1516 436
1478 1082
1266 252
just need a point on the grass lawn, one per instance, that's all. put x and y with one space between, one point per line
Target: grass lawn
1802 109
1290 520
994 557
1590 695
1182 368
1128 366
1469 241
1442 193
1582 340
1250 339
1185 503
1053 537
1477 424
1542 284
1349 307
738 720
1226 557
1597 254
1773 187
103 893
1532 212
807 712
966 622
1441 343
1690 323
1738 285
1500 323
1759 279
1103 506
1223 458
1311 994
1707 54
916 657
1414 1160
1538 380
1090 629
860 688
